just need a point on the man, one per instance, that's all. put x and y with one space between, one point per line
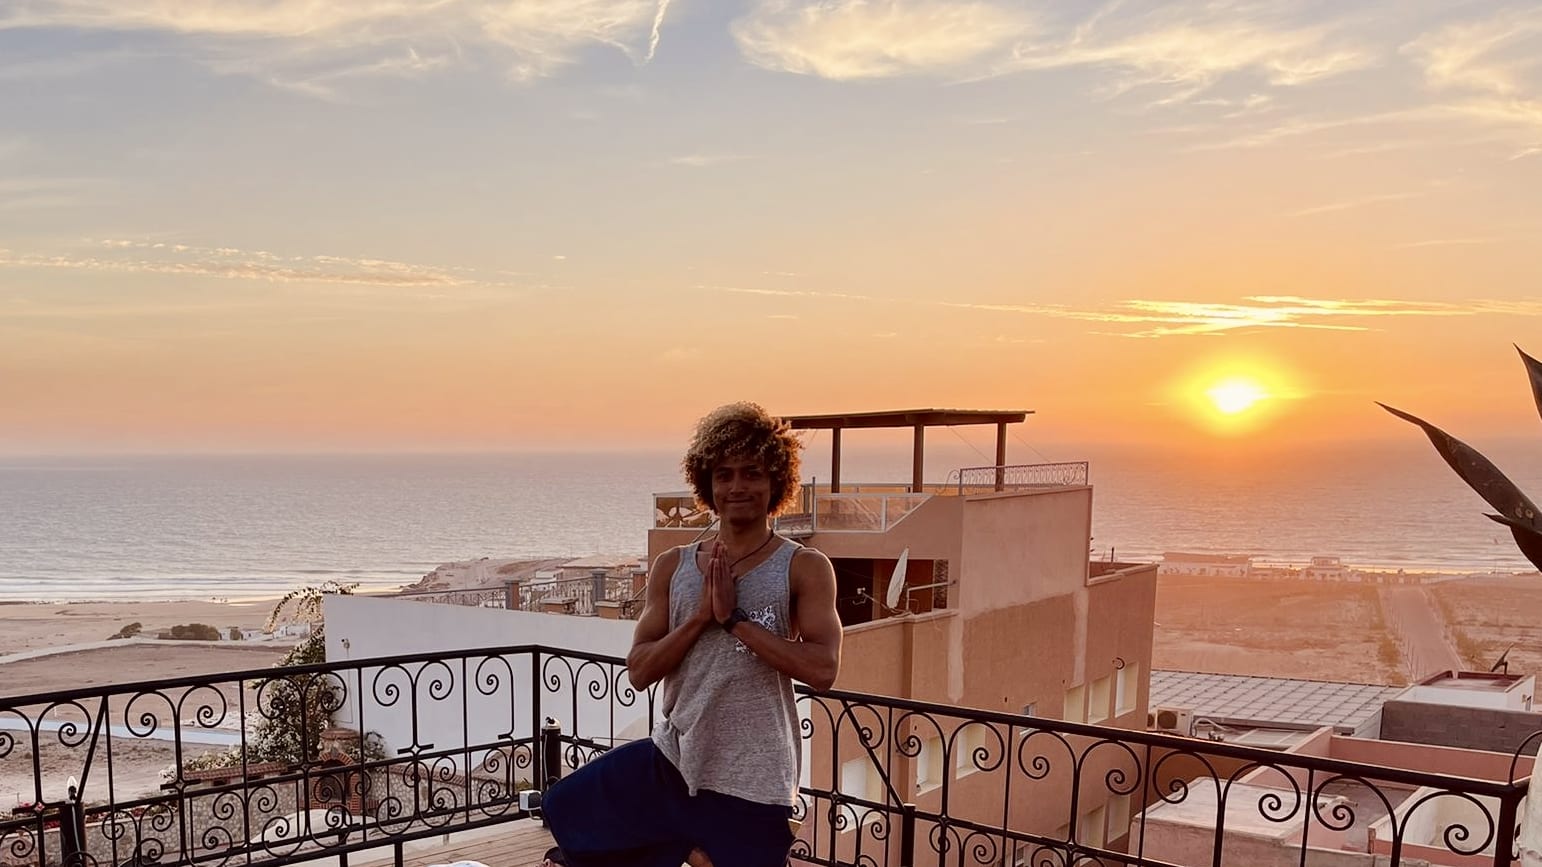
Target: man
727 627
553 858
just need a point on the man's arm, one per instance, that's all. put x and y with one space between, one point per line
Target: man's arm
656 650
815 659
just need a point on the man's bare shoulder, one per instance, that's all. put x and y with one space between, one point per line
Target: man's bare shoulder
665 564
811 562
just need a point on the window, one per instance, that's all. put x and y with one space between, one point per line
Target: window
929 764
1091 828
1031 709
859 779
1127 688
1097 704
1118 817
1075 704
970 740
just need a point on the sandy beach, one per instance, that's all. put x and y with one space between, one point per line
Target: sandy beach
52 647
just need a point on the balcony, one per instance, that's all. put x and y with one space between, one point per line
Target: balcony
393 751
877 507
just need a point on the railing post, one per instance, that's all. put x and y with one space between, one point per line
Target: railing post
1507 841
72 829
551 752
537 770
907 835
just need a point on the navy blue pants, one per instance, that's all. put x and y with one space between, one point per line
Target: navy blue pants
630 808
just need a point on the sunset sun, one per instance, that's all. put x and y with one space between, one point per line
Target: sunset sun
1236 395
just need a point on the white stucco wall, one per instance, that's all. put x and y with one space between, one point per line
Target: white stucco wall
483 697
1517 697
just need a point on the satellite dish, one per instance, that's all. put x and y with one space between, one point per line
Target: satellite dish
897 582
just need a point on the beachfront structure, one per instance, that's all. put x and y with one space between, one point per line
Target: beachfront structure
1465 723
1206 565
996 573
1399 821
1465 709
1325 569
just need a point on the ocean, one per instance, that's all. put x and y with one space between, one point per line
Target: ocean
257 526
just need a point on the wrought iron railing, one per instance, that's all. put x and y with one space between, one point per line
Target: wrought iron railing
429 744
874 507
977 480
573 595
475 597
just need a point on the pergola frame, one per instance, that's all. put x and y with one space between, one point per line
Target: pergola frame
918 420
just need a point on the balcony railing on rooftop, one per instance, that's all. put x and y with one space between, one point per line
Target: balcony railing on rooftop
425 745
875 507
568 595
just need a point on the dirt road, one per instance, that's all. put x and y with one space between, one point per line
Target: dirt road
1412 616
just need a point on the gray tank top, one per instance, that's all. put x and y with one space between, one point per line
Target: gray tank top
730 725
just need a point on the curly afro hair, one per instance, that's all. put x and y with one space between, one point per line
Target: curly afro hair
744 430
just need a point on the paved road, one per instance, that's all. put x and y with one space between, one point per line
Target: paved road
1412 616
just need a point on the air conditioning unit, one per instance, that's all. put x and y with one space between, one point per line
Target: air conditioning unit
1174 720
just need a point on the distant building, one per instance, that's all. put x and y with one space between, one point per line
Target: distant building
1217 565
1325 569
1456 722
615 566
1466 709
1271 712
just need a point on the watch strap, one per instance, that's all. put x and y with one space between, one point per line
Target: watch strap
735 618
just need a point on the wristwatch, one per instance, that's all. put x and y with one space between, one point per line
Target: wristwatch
737 617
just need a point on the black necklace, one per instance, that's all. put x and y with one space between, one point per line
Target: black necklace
758 548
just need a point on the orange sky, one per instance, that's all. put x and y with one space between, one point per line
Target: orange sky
276 226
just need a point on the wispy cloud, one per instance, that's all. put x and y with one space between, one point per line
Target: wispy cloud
681 355
310 46
855 39
793 293
1446 242
1491 67
658 26
1357 202
703 160
157 257
1146 318
1188 47
1184 48
1497 54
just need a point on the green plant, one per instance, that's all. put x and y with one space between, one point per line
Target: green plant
128 631
295 708
1516 511
192 632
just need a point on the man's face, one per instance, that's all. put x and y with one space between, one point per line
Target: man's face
741 488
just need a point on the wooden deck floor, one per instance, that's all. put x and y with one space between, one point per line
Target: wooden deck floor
519 843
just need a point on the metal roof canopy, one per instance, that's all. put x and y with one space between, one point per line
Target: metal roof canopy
917 419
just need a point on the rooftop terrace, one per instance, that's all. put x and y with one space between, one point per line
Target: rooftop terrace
429 745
